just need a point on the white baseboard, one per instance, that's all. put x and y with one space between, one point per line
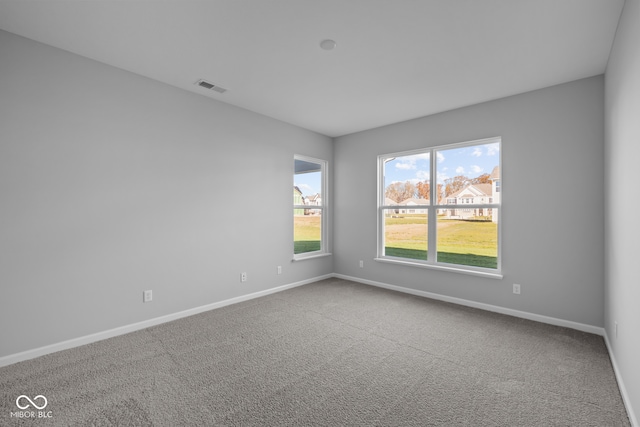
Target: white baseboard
76 342
488 307
621 386
522 314
99 336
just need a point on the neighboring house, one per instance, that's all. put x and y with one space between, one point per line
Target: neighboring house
475 194
298 199
389 202
495 190
407 206
315 200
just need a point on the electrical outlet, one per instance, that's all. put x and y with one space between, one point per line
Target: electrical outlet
516 289
361 264
243 276
279 269
147 296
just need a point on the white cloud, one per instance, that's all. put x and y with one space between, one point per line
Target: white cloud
442 177
422 175
305 188
477 152
410 162
413 181
440 157
421 156
459 170
476 169
406 166
492 149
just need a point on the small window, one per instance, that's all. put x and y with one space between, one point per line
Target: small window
309 207
436 232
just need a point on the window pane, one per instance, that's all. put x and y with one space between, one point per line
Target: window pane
406 180
307 183
308 202
472 242
405 235
307 230
469 175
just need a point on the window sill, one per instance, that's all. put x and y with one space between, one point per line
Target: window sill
486 274
305 257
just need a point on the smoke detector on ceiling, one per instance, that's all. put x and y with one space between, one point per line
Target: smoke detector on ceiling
328 44
208 85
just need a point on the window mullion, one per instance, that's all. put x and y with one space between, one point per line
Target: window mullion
464 223
431 212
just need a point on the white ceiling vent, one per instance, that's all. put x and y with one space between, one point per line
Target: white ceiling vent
208 85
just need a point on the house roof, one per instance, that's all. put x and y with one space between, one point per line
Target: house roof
414 201
495 173
474 190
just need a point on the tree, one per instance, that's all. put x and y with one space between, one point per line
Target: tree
455 184
399 191
439 194
482 179
423 189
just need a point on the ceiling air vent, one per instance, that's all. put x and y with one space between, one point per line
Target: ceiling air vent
208 85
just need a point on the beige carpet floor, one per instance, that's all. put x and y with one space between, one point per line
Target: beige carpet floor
331 353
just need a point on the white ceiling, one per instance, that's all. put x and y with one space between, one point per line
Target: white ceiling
395 59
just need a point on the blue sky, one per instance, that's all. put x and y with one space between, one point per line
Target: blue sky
308 183
471 161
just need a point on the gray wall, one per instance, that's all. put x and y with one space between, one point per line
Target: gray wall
553 215
112 183
622 147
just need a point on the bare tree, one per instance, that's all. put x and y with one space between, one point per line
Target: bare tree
399 191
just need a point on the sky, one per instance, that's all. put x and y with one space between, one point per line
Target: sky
470 161
308 183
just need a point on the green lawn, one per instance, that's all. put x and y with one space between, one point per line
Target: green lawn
406 236
472 243
307 233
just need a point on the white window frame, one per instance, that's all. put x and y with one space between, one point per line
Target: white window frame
323 208
432 210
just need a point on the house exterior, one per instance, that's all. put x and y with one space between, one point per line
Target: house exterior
475 194
298 199
408 206
315 200
495 190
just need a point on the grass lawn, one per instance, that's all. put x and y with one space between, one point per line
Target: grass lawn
406 236
307 232
459 242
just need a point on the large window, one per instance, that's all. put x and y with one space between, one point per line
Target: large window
420 219
309 207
